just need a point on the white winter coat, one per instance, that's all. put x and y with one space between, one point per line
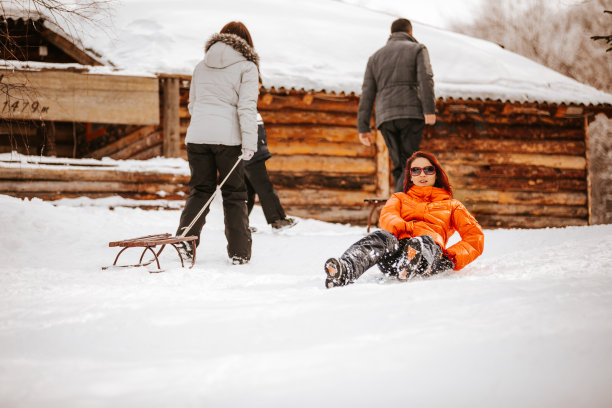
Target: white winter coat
223 94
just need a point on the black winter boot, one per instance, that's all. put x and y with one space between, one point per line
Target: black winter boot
337 273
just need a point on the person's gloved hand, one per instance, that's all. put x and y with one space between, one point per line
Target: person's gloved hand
247 154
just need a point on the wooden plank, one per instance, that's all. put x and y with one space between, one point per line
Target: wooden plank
170 116
383 169
513 132
320 148
86 187
513 197
268 101
322 197
79 97
567 211
64 173
455 143
555 161
131 151
68 47
513 171
52 196
496 119
288 117
313 133
71 174
344 215
521 221
324 180
149 153
301 163
516 184
122 143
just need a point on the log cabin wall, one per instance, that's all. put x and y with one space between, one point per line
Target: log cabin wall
514 165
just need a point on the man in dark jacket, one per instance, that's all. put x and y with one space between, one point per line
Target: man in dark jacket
399 77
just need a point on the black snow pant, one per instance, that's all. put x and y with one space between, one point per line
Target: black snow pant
205 160
383 249
258 182
403 138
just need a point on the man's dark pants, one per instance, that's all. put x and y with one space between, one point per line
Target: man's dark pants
258 182
403 138
204 162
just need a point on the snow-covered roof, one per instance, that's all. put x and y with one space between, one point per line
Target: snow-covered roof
322 45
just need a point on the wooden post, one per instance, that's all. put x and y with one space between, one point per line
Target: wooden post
170 117
588 171
383 186
47 130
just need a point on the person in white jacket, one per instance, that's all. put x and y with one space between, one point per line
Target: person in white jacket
223 128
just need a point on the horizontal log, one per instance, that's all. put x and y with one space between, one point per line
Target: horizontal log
472 158
149 153
522 119
324 180
567 211
321 148
522 221
513 171
454 143
93 174
344 215
321 164
514 132
122 143
516 184
311 133
513 197
53 196
323 197
87 187
295 117
269 101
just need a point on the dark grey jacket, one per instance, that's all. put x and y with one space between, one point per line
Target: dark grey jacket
399 77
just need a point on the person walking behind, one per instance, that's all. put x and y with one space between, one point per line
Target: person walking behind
400 79
258 182
223 129
416 226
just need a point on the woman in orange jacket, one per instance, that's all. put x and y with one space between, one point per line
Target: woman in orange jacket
415 228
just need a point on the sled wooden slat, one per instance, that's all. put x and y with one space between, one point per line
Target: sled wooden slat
149 242
374 203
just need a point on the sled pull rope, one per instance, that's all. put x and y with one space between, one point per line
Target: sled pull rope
188 228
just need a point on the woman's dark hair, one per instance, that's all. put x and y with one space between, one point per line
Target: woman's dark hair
239 29
441 177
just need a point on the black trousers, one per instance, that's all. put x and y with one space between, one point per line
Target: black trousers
258 182
383 249
205 161
403 138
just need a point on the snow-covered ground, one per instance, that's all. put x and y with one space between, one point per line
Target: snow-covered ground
527 324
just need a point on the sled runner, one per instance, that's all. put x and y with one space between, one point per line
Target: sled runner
149 242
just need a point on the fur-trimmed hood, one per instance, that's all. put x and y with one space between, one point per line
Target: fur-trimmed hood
238 50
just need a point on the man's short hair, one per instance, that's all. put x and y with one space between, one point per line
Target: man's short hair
401 24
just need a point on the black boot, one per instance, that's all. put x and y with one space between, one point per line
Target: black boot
337 273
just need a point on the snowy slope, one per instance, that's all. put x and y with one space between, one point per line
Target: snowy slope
527 324
322 45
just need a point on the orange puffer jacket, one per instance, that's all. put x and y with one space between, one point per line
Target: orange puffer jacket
431 211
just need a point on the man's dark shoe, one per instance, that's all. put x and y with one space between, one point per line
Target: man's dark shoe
238 260
283 223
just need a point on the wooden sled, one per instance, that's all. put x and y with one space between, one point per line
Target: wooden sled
149 242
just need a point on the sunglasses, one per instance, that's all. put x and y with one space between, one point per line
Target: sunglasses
428 170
